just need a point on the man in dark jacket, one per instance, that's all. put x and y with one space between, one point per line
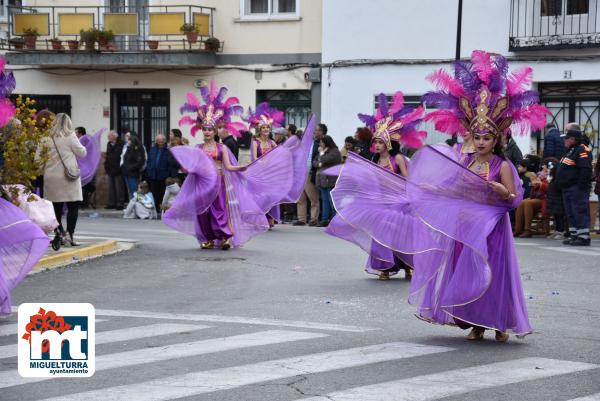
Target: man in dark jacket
311 192
158 169
512 151
112 166
574 177
228 140
554 145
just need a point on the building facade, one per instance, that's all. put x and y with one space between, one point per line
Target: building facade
396 44
266 51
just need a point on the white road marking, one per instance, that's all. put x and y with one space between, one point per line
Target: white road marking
174 351
11 329
459 381
527 243
576 251
196 383
130 333
591 397
234 319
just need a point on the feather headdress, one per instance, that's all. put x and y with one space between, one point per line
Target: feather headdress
396 122
482 97
265 115
213 110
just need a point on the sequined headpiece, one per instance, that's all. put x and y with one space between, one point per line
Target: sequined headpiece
214 113
483 98
265 115
396 122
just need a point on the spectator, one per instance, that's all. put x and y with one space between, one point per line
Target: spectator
554 146
171 192
535 203
62 183
293 130
142 205
512 151
524 169
280 135
112 166
349 144
175 137
362 147
329 155
229 141
574 177
555 205
310 189
597 187
159 168
133 161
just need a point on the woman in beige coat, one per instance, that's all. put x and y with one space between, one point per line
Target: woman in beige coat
63 148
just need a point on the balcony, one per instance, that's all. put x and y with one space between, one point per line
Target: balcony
553 24
141 36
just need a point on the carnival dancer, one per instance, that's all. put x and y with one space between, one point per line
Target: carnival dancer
466 269
263 120
391 125
221 203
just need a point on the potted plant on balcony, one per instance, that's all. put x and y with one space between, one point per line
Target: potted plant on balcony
212 45
56 44
73 44
190 31
88 37
104 37
17 43
30 36
152 44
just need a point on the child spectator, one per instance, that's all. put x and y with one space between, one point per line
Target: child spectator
141 206
171 192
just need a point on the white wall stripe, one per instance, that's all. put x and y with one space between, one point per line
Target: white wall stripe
234 319
130 333
11 329
174 351
459 381
576 251
196 383
592 397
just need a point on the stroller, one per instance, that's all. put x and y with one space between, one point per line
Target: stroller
39 210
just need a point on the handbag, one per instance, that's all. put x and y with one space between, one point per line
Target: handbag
69 175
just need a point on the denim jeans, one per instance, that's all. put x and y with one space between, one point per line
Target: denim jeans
132 184
328 211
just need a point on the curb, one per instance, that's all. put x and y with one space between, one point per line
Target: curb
77 255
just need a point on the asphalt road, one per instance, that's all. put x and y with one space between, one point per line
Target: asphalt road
292 316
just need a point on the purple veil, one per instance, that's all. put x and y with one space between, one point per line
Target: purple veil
89 164
22 244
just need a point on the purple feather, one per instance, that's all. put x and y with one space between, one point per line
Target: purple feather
7 84
367 119
440 100
463 71
187 108
524 99
405 110
205 93
221 95
383 104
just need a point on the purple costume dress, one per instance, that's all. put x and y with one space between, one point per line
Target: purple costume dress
447 223
22 244
213 224
89 164
274 213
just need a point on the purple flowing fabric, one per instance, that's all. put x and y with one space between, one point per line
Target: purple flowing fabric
22 244
300 153
455 229
249 194
89 164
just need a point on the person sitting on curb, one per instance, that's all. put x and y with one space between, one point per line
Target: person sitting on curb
141 206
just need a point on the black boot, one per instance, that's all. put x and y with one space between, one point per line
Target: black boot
579 241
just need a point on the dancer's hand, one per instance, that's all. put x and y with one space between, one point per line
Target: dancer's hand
499 188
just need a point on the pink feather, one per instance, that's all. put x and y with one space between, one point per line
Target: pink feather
413 139
235 128
194 130
445 121
531 118
187 120
213 89
519 81
446 83
482 64
413 116
397 103
192 100
2 64
7 112
230 102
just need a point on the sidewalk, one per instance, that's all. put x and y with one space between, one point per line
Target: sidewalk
89 248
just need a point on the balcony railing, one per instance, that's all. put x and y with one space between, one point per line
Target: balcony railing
554 24
149 28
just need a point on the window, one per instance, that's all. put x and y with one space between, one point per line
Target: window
554 8
578 7
269 9
551 8
4 4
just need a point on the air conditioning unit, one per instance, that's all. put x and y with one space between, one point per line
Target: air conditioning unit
314 75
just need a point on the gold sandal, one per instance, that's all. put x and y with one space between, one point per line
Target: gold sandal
225 245
476 334
501 337
208 245
385 275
